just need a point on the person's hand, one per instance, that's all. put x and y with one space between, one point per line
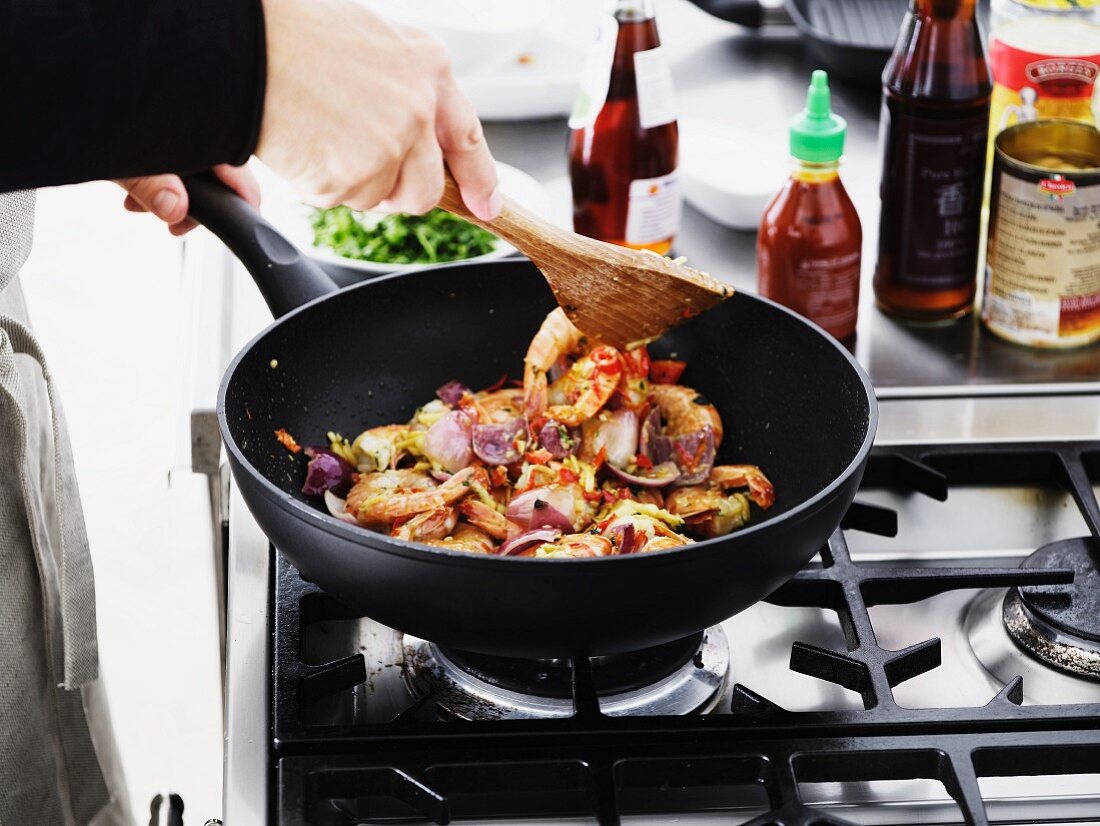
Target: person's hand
364 113
166 198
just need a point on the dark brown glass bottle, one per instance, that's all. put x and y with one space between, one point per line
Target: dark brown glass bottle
935 122
623 138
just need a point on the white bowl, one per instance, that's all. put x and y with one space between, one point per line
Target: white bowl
280 205
480 34
730 174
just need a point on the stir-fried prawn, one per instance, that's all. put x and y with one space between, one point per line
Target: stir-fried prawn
376 500
556 339
586 387
685 410
466 538
488 519
572 546
431 524
761 491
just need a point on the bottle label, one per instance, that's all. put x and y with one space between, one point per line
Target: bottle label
1043 270
653 212
829 289
656 95
596 76
932 198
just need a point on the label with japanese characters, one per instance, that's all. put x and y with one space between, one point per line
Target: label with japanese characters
938 198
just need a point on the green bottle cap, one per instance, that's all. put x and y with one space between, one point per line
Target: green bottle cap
817 135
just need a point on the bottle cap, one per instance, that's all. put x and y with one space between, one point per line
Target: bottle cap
817 135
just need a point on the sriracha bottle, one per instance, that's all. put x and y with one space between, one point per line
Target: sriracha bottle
808 249
623 137
934 126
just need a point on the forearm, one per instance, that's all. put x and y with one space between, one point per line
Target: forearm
116 88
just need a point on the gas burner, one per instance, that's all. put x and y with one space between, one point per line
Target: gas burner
686 676
1060 624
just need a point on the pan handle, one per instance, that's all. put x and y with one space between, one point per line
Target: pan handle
286 278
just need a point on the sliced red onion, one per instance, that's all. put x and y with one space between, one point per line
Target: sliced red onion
440 475
652 443
452 392
658 477
326 471
525 540
338 508
447 442
558 439
542 507
495 444
700 448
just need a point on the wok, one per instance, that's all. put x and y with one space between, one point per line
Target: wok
792 400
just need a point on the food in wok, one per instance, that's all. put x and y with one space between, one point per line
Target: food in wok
600 452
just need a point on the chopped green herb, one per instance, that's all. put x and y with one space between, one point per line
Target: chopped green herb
399 239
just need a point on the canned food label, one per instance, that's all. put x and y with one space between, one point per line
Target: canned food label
1030 85
656 95
653 212
596 76
1043 279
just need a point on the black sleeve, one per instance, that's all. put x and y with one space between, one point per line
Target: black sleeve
115 88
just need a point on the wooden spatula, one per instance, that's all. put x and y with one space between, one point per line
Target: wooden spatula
617 295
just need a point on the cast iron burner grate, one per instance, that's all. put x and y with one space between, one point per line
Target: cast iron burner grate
418 767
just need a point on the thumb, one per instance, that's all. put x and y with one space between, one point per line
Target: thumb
162 195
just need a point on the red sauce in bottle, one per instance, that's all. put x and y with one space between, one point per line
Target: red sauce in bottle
623 150
808 251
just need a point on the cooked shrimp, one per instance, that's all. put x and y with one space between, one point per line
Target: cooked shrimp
375 449
707 511
572 546
486 519
432 524
498 406
381 498
466 538
685 410
556 338
663 543
586 387
761 491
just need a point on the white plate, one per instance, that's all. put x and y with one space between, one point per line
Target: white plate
280 205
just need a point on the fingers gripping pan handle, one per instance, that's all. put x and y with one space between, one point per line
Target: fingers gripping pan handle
286 278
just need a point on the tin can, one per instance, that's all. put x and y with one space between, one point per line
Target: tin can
1042 274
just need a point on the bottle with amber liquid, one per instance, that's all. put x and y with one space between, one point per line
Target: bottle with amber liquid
623 137
935 121
808 251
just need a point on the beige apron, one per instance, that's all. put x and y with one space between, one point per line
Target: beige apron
58 763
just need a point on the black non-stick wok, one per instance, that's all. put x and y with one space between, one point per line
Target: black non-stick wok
792 400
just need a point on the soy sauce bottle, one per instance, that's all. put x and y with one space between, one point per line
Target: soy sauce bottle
623 138
935 120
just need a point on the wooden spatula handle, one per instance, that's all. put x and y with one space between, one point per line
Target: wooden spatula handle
527 232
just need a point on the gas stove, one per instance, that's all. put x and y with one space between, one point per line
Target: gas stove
886 683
